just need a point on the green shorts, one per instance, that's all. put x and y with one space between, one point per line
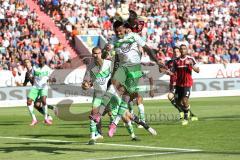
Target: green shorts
35 93
129 76
97 101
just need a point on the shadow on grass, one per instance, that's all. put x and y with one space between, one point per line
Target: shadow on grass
221 118
57 135
82 148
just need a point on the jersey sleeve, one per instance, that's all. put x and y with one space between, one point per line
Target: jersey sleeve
50 71
139 40
33 70
87 76
194 62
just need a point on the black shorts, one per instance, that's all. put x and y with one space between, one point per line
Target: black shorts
181 92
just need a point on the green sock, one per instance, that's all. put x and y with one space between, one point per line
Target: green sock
130 107
93 128
130 129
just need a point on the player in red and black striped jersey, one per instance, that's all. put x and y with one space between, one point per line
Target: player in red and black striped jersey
173 79
135 23
183 67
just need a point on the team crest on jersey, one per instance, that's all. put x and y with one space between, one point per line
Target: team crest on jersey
101 81
126 47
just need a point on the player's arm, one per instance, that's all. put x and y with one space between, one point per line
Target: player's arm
31 76
194 66
151 92
151 54
26 80
196 69
116 64
87 83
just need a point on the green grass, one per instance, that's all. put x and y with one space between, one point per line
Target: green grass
216 134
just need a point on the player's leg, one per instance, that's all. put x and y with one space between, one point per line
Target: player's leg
185 93
39 108
113 125
117 114
43 95
45 110
172 99
140 108
114 91
128 117
94 134
138 121
33 94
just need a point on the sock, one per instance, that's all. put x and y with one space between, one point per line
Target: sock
130 107
50 107
175 105
140 122
40 110
30 108
99 127
93 128
130 129
185 110
190 112
117 119
45 109
141 112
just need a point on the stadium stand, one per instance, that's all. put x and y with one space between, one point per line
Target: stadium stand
209 28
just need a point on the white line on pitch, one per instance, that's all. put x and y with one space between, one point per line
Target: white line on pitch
35 139
107 144
138 155
150 147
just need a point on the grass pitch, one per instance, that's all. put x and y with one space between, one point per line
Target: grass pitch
214 137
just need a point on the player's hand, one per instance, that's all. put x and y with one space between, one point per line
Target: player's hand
86 85
108 47
168 72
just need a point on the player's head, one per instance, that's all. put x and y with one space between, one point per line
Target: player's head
183 50
132 17
119 28
42 60
27 64
176 52
96 53
136 24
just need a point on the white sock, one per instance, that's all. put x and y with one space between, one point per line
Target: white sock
141 111
117 119
93 135
132 134
31 111
45 109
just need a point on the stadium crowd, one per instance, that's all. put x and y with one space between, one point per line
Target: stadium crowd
210 28
23 36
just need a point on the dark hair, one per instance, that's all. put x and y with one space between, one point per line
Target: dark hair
176 48
95 48
183 45
117 24
132 14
